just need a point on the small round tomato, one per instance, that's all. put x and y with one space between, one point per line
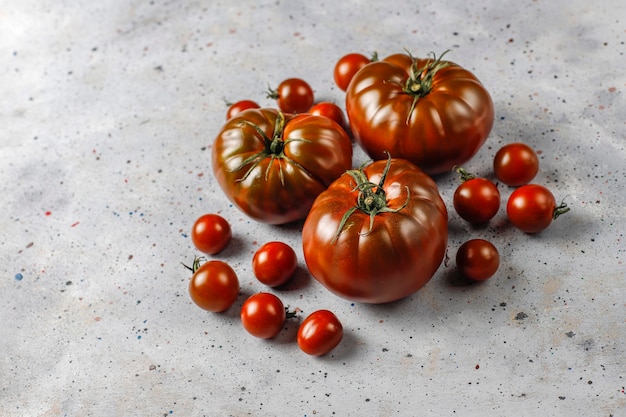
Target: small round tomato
293 95
476 200
263 315
329 110
274 263
477 259
214 286
346 67
320 333
532 207
211 233
236 108
516 164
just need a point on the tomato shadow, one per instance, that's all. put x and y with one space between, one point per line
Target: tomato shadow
299 280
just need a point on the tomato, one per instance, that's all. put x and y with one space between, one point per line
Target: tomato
378 233
432 112
236 108
532 207
477 259
320 333
330 110
476 200
347 66
516 164
263 315
274 263
214 286
293 95
272 165
211 233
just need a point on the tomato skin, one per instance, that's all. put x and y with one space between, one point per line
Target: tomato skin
263 315
442 129
346 67
320 333
274 263
516 164
397 256
211 233
531 208
293 95
239 106
477 259
214 286
330 110
477 200
280 186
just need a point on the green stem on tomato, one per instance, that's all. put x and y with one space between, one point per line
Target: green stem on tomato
559 210
465 175
371 199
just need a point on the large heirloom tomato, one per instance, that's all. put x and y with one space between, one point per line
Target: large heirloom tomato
432 112
378 233
272 165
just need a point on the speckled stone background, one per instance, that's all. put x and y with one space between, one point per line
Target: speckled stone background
107 114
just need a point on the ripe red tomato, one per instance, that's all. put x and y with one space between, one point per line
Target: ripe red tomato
214 286
263 315
211 233
477 259
274 263
532 207
330 110
272 165
432 112
236 108
293 95
476 200
320 333
516 164
378 233
347 66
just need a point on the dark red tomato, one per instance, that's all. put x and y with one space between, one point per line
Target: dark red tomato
346 67
214 286
274 263
516 164
330 110
293 95
531 208
431 112
211 233
476 200
272 165
477 259
236 108
263 315
378 233
320 333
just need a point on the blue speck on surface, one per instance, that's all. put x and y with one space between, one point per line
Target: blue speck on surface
19 277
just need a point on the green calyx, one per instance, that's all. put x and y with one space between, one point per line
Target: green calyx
273 149
371 198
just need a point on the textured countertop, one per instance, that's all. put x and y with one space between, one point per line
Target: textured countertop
107 115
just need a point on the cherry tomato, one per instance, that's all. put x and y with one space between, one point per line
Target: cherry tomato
263 315
516 164
211 233
329 110
274 263
214 286
477 259
532 207
476 200
236 108
347 66
320 333
293 95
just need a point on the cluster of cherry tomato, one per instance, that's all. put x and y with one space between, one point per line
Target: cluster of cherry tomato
214 286
531 208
